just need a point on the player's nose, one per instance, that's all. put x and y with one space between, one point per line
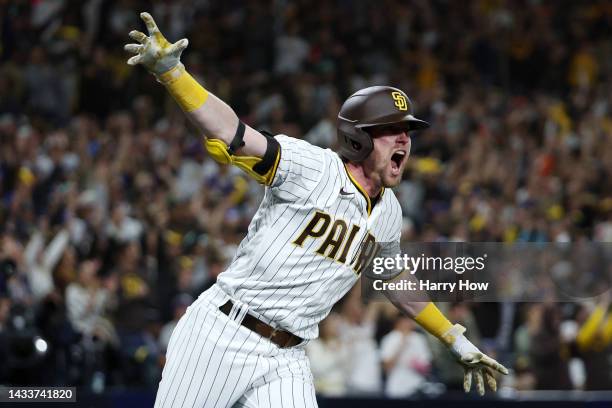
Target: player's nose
402 137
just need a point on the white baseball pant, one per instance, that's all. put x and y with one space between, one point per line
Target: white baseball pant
213 361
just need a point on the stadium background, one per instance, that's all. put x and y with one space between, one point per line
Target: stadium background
113 218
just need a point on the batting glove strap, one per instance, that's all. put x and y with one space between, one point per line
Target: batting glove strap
171 76
453 335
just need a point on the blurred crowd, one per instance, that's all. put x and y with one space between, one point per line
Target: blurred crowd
113 219
373 350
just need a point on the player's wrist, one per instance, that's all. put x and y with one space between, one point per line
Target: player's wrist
433 321
171 75
457 342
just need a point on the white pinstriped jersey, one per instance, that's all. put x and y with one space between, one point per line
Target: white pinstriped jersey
302 248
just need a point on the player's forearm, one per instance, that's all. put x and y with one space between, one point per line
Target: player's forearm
412 302
417 306
209 113
215 118
410 308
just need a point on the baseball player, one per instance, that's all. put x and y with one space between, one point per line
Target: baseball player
323 213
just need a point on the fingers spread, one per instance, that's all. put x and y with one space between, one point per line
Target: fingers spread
178 46
489 362
135 48
490 377
467 380
138 36
134 60
479 382
149 22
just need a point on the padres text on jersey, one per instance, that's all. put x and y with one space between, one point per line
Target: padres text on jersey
312 235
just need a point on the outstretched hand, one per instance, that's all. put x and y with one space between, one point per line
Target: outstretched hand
154 52
478 367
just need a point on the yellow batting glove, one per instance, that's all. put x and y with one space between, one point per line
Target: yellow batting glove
154 52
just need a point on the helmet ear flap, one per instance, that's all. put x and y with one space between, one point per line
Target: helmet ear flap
366 142
355 143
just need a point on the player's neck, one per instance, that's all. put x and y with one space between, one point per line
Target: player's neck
370 186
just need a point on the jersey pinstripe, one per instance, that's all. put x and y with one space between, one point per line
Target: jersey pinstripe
285 281
215 362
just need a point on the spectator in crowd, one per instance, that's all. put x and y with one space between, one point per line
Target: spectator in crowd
594 343
357 330
406 359
88 303
329 358
41 261
523 337
548 354
96 164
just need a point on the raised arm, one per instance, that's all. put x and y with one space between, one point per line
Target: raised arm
228 140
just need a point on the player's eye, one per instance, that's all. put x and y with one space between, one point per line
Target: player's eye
387 130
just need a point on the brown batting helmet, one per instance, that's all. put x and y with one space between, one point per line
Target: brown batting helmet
370 107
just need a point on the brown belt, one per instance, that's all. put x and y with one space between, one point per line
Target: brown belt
281 338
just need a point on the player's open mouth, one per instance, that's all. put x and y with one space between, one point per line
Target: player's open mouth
396 161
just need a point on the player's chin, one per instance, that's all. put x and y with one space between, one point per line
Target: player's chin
392 178
391 174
